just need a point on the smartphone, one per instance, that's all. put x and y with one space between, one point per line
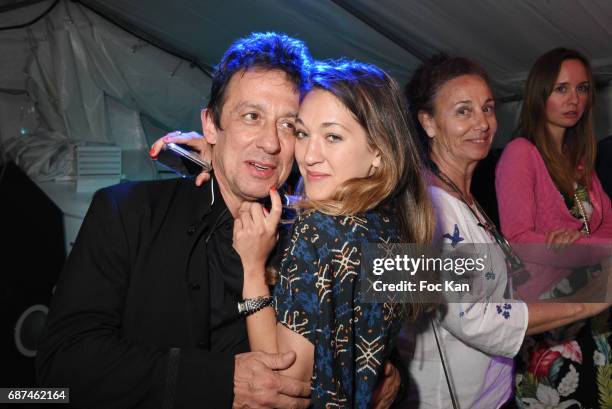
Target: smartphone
189 155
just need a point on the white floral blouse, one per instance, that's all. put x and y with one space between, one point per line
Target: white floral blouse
479 340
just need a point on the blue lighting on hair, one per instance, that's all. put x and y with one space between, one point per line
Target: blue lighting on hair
268 50
329 72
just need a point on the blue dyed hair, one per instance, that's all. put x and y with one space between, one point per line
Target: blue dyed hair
268 51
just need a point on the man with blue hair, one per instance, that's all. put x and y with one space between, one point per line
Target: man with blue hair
144 314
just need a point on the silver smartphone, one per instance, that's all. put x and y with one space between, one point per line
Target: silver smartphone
190 155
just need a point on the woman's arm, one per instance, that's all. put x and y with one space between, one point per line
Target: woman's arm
546 316
515 189
515 184
495 328
498 328
516 196
254 238
319 303
261 326
292 341
588 301
266 335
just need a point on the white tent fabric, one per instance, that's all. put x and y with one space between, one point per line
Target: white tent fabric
204 29
75 77
89 81
506 37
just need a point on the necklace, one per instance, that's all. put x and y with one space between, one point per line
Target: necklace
516 269
585 219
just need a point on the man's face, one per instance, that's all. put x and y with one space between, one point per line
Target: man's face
254 151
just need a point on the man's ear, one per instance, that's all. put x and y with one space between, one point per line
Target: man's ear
208 127
428 123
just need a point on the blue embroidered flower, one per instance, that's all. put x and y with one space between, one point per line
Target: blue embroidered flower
455 238
504 310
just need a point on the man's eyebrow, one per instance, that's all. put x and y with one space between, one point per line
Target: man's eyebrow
261 108
247 104
291 114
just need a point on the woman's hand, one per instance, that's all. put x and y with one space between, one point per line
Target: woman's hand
596 295
255 233
561 237
194 140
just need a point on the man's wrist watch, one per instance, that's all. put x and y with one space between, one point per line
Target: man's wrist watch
250 306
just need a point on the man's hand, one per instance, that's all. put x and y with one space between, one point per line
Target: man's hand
194 140
388 387
258 386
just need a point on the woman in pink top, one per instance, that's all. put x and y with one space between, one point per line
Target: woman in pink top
548 192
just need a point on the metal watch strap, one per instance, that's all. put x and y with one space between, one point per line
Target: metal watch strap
252 305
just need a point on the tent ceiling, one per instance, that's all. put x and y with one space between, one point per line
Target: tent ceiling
8 2
506 37
204 29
